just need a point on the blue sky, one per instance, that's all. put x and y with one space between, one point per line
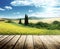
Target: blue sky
36 8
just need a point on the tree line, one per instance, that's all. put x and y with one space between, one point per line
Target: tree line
53 25
26 20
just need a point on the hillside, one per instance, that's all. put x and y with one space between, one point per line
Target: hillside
10 28
35 20
46 20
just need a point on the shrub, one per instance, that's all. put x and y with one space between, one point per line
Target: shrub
58 26
52 26
56 22
41 24
31 25
9 21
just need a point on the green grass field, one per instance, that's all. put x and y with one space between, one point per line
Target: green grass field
9 28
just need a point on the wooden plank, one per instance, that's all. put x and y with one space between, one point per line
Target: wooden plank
23 42
38 43
20 42
11 43
54 42
56 38
4 42
47 43
3 37
0 35
29 42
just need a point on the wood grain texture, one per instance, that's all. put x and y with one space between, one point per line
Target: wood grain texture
5 41
20 42
3 37
38 44
11 43
29 41
47 43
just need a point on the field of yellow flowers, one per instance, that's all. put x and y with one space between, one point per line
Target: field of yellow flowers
8 28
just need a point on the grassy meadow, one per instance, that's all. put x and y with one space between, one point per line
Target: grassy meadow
14 28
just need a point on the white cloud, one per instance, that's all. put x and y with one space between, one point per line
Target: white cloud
16 13
20 3
45 15
30 11
8 7
50 12
44 2
34 2
58 2
1 9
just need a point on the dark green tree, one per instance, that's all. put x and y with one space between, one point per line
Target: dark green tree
9 21
56 22
26 19
20 21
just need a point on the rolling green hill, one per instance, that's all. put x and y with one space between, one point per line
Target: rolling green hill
9 28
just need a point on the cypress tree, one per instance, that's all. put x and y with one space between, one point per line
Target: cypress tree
26 19
20 21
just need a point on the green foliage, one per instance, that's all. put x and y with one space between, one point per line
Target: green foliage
58 27
56 22
9 21
52 26
31 25
41 24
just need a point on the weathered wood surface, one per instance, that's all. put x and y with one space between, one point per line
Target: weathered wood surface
29 41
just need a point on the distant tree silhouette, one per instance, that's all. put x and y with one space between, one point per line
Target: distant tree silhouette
56 22
9 21
26 19
20 21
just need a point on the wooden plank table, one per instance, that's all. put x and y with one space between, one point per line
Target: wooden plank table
29 41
